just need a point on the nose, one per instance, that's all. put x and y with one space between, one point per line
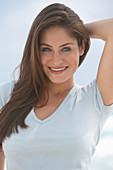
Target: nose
57 59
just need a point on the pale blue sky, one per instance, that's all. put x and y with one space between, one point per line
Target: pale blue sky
16 18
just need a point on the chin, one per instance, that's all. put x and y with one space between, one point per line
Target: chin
60 81
57 81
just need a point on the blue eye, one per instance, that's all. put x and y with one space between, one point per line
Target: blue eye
46 49
66 49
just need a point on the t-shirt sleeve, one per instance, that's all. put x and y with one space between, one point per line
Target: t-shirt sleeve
5 90
102 111
96 99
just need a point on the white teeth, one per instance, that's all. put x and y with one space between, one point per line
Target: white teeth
58 69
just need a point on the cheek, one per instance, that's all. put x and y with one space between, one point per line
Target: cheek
44 60
73 60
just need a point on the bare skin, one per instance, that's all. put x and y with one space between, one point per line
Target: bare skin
104 30
55 58
2 159
58 52
47 110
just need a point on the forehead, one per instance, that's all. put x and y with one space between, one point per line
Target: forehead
56 33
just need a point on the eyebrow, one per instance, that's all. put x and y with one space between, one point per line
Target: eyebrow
59 46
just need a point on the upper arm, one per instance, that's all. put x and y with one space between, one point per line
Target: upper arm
2 159
105 72
5 90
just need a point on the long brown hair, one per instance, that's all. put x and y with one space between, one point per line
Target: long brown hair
32 81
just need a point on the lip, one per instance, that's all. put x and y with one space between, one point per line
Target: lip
58 67
58 72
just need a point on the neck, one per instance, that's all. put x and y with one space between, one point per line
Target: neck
56 89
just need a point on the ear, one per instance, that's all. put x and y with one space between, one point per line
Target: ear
82 48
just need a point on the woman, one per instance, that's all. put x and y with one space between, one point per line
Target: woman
47 121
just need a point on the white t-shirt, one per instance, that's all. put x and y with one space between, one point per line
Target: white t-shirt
66 140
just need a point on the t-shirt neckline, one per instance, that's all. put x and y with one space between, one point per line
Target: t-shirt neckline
73 89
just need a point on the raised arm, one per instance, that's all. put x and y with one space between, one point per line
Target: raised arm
104 30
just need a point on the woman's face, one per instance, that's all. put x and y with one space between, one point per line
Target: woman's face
59 54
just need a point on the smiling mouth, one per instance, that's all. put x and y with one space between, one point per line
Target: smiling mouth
57 70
